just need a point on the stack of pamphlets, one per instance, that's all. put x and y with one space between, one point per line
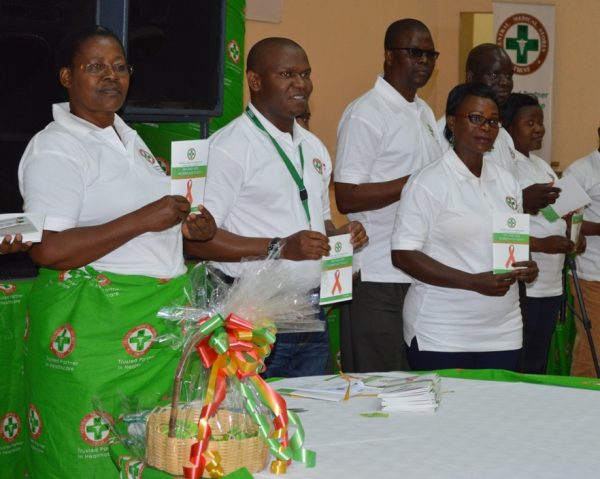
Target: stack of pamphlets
411 394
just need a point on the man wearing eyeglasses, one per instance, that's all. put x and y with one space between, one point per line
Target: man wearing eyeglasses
490 64
383 137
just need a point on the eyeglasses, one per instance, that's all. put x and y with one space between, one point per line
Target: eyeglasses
417 53
480 120
99 69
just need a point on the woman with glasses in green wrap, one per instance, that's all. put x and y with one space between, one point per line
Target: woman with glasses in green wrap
110 256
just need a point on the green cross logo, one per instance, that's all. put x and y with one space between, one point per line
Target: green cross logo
338 247
138 340
63 341
522 44
318 165
94 429
97 428
147 156
35 424
134 468
511 222
511 202
191 154
233 50
10 427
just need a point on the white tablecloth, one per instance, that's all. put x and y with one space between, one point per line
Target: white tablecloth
482 429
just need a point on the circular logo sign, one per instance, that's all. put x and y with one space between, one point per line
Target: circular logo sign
11 427
525 39
191 154
8 288
511 202
318 166
134 469
138 340
63 341
94 429
338 247
147 156
511 222
35 422
233 50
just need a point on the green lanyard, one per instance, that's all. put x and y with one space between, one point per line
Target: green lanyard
295 176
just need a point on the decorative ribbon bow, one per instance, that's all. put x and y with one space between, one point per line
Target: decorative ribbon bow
236 350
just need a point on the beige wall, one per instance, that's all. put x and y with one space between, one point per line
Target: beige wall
344 43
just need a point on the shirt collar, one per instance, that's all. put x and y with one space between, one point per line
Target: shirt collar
300 134
463 173
63 115
392 96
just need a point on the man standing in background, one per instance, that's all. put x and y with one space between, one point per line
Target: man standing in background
383 137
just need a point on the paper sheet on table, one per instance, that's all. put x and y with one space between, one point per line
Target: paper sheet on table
333 388
571 198
29 225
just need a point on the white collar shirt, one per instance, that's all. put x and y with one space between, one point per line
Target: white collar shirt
79 174
532 170
446 212
587 173
251 193
383 137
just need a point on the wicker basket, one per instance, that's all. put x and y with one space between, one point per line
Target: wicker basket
168 453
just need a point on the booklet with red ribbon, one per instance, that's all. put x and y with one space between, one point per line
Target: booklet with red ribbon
511 240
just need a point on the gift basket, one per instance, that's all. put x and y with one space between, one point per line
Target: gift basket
221 415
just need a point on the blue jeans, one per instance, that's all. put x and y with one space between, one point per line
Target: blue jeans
299 354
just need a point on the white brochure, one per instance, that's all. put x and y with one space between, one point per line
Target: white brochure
188 170
511 240
336 271
29 225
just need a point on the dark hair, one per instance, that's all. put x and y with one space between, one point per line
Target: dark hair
261 49
515 102
476 53
458 94
399 27
71 43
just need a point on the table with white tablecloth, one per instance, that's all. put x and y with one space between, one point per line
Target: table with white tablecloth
482 429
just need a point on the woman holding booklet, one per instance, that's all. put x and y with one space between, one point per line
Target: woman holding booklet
523 118
458 314
111 257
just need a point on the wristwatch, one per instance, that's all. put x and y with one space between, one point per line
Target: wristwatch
274 248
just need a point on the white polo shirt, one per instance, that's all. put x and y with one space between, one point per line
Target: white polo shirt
80 175
446 212
250 192
383 137
504 152
530 171
587 173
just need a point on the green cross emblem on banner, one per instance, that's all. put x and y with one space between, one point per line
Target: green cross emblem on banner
62 340
140 339
522 44
98 428
234 51
34 422
11 427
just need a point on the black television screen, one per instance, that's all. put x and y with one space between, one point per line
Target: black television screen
176 48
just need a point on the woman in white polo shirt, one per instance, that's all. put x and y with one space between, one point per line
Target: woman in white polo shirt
457 313
111 256
523 118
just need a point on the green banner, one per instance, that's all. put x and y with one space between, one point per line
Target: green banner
13 416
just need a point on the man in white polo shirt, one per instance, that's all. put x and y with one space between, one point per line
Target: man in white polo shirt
267 183
383 137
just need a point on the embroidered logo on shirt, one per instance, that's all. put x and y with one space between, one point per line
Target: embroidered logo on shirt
147 156
511 202
430 130
318 166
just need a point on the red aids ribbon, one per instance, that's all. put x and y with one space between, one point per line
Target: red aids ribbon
511 256
188 194
337 285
